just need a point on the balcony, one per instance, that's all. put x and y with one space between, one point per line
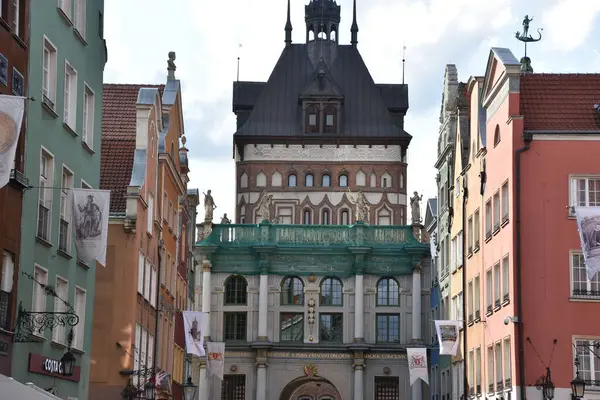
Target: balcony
18 179
43 223
586 294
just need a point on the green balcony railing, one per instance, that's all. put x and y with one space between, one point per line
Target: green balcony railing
309 235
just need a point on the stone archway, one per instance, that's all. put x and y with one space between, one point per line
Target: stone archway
305 388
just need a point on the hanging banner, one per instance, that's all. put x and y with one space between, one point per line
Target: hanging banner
193 322
448 334
11 117
417 364
588 223
215 358
90 219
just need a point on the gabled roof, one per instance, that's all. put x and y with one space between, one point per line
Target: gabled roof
118 139
431 212
500 62
560 102
277 110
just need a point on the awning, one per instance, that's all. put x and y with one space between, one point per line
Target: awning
11 389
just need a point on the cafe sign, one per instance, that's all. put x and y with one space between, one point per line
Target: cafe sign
43 365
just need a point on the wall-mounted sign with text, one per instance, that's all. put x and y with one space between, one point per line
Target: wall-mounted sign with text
39 364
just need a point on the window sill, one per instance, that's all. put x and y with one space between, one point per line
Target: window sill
476 248
5 24
505 302
7 332
504 222
79 36
470 254
69 129
496 230
83 265
496 308
20 41
59 345
43 241
64 16
87 147
582 299
77 351
488 313
49 110
64 254
488 237
149 234
477 320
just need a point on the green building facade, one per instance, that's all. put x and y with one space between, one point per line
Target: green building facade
67 58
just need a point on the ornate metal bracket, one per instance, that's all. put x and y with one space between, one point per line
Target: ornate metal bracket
35 323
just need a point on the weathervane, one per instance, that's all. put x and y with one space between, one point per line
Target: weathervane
525 37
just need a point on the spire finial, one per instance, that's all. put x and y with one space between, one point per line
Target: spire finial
354 28
288 26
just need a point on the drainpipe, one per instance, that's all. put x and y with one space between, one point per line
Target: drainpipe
464 288
527 137
157 315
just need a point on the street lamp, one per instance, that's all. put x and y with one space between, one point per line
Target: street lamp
577 384
546 385
68 363
149 389
129 392
189 389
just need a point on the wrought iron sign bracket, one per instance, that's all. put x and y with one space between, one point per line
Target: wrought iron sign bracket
30 324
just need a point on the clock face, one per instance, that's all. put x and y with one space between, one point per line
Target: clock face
8 132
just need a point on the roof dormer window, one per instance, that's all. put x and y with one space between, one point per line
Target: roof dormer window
330 118
312 119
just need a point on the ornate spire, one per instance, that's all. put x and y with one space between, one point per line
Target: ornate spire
288 27
354 28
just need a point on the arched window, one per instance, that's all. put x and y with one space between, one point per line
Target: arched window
344 218
306 217
387 292
236 290
497 135
343 180
330 119
325 217
292 180
309 180
292 291
331 292
326 180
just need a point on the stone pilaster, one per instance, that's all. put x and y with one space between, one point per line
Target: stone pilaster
206 294
416 302
261 374
359 380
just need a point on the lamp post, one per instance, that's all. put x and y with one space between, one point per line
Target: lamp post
546 385
189 389
149 390
577 384
68 359
129 392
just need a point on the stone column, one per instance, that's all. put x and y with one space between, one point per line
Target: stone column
263 304
203 390
206 295
416 388
359 380
261 374
359 311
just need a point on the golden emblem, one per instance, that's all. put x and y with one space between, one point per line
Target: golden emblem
310 370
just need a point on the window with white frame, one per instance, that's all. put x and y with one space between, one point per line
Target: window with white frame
6 287
476 297
147 279
79 16
59 333
70 97
507 366
497 285
49 74
470 307
471 366
461 317
496 211
459 249
454 254
488 290
476 228
505 279
45 196
470 235
137 349
150 216
64 239
88 117
141 267
38 301
589 363
384 217
79 329
488 219
284 215
84 185
153 285
490 371
585 191
582 286
150 355
65 7
478 370
498 356
505 203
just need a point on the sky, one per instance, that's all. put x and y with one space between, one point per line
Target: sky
209 35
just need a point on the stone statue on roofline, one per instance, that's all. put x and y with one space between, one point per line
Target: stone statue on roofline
225 219
415 206
209 206
264 206
362 207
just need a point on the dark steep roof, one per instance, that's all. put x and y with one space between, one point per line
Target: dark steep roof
276 109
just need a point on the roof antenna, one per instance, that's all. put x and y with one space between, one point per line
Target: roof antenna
238 64
403 61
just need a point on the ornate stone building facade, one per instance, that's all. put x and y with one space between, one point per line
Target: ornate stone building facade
319 130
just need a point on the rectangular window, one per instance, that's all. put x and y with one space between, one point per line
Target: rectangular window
292 327
79 16
64 240
505 279
79 329
235 326
461 317
6 287
488 290
589 363
16 22
39 296
285 215
505 203
471 377
488 219
144 349
496 211
498 355
49 74
454 254
88 117
70 97
387 388
478 370
233 387
388 328
312 119
459 249
331 327
18 83
150 216
477 229
141 267
583 287
59 333
470 235
329 119
150 356
497 282
507 366
147 273
45 196
470 304
477 296
490 371
457 187
585 191
65 7
153 286
3 66
136 352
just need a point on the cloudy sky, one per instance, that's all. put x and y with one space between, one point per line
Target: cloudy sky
207 34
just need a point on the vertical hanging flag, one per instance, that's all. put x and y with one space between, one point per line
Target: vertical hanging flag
215 358
417 364
448 334
11 117
90 219
193 323
588 223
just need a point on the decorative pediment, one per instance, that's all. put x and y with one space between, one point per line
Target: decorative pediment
321 84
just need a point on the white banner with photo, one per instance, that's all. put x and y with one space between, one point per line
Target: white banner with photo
11 117
193 323
90 220
215 359
588 224
417 364
448 332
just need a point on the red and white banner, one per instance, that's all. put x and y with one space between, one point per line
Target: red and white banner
417 364
215 359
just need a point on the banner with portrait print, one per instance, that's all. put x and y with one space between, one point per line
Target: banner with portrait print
90 221
588 224
448 332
